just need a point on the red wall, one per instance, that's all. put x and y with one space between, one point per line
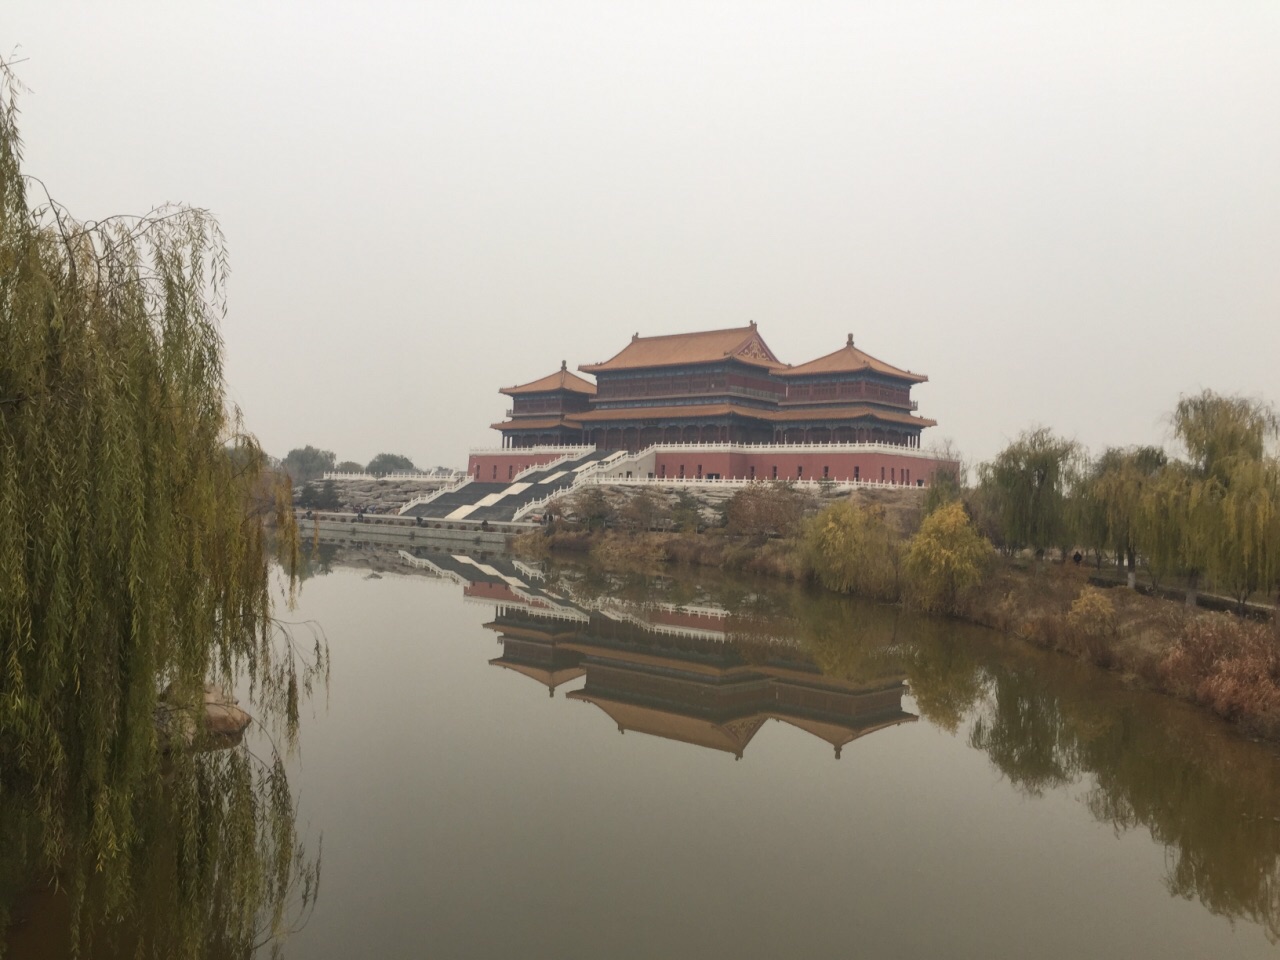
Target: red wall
840 465
508 463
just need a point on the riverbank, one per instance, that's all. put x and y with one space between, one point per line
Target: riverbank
1220 661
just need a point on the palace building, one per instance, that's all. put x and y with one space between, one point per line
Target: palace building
715 405
716 386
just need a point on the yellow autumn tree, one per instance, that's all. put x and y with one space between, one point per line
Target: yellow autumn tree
852 549
944 559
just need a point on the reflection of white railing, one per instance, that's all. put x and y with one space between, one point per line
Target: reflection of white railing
435 494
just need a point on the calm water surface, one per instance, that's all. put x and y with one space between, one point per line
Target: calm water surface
737 769
560 763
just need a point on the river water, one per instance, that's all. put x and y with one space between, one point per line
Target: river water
558 762
729 768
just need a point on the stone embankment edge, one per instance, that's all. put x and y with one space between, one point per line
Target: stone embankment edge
393 530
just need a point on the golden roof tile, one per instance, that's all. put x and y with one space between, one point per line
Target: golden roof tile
704 346
537 423
562 379
849 359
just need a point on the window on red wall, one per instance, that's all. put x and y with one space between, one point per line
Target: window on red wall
882 474
799 471
511 470
495 472
857 473
775 471
826 473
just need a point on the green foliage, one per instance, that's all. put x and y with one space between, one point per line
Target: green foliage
985 508
349 466
134 549
1232 495
945 558
1164 520
1219 431
308 463
944 487
857 648
644 511
325 497
762 510
852 549
1218 513
591 505
389 463
1109 500
1029 482
1092 613
1245 557
686 515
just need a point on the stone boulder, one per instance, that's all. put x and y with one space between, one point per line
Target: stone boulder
220 724
223 717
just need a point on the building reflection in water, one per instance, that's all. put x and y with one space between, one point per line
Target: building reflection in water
696 675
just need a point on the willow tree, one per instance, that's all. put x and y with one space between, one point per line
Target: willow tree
1224 499
135 549
1029 483
1116 485
852 549
1248 557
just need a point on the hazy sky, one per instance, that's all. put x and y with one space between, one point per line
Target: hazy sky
1064 213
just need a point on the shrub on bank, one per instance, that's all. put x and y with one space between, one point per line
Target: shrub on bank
764 510
1228 664
1091 627
945 560
851 549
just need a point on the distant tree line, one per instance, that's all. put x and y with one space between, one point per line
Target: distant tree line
1210 516
309 463
1207 514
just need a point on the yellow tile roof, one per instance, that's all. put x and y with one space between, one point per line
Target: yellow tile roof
677 349
562 379
849 359
536 423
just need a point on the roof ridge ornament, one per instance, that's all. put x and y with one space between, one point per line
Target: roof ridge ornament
849 343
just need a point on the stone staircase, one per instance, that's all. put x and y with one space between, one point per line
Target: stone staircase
501 501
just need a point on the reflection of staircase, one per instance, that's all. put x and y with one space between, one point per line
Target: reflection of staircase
516 578
501 501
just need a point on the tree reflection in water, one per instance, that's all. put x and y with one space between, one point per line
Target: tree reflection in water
214 867
1211 798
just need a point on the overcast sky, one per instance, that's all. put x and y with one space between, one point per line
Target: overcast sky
1064 213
